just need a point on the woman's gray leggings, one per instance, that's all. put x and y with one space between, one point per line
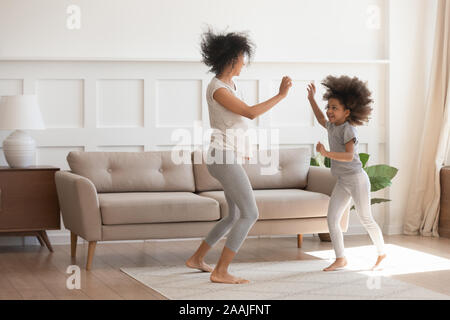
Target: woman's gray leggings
242 209
356 186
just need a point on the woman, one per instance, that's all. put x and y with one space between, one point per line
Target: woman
225 54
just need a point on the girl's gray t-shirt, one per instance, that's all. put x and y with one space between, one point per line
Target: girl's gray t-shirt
338 136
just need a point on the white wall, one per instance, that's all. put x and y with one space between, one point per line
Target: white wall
134 51
411 41
170 29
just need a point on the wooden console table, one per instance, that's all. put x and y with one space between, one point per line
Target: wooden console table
28 202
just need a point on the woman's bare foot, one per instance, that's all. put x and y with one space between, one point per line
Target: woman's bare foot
339 263
377 265
225 277
194 263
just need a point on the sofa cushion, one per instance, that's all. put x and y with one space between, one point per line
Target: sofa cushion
133 171
281 203
288 169
154 207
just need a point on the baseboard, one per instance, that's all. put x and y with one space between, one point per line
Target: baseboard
56 237
392 229
355 230
17 241
359 230
62 237
385 229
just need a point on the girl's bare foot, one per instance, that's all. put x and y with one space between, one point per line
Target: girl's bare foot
225 277
339 263
194 263
378 263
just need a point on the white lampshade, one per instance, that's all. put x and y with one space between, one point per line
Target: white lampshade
20 112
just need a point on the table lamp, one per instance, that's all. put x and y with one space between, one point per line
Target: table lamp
20 113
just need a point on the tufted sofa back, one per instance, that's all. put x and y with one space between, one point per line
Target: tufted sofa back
156 171
133 171
287 169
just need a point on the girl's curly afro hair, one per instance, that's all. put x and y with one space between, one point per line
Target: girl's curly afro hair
353 94
220 49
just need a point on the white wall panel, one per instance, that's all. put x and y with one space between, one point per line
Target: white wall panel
179 102
55 156
249 90
120 148
11 87
120 103
294 110
61 102
2 158
362 148
310 147
172 147
250 94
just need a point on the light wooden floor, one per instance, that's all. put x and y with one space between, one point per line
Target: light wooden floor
32 272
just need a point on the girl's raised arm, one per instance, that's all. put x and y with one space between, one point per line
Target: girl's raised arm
317 112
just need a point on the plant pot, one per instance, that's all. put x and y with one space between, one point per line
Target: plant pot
325 237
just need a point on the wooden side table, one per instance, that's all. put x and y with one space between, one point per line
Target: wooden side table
29 202
444 214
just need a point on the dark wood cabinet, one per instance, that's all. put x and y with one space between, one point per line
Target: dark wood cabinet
444 214
29 202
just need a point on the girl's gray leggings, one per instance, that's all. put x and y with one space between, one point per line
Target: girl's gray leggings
242 209
356 186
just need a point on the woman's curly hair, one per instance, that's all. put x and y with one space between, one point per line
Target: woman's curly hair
220 49
353 94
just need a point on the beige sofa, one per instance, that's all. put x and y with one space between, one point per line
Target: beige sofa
146 195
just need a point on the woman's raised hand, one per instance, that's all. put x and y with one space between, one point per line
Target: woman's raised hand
286 84
311 91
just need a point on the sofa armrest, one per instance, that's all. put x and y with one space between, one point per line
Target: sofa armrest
320 180
79 205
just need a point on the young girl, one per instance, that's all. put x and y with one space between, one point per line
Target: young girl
348 106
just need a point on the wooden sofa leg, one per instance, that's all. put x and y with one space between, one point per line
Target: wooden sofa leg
299 240
91 250
73 244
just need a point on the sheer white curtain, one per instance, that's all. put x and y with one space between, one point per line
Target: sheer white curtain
422 215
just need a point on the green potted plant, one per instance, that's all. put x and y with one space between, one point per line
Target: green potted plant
380 177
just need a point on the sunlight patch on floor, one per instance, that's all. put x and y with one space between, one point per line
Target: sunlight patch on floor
399 260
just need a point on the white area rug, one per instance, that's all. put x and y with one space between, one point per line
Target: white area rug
301 279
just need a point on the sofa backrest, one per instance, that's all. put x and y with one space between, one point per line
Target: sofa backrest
291 171
134 171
